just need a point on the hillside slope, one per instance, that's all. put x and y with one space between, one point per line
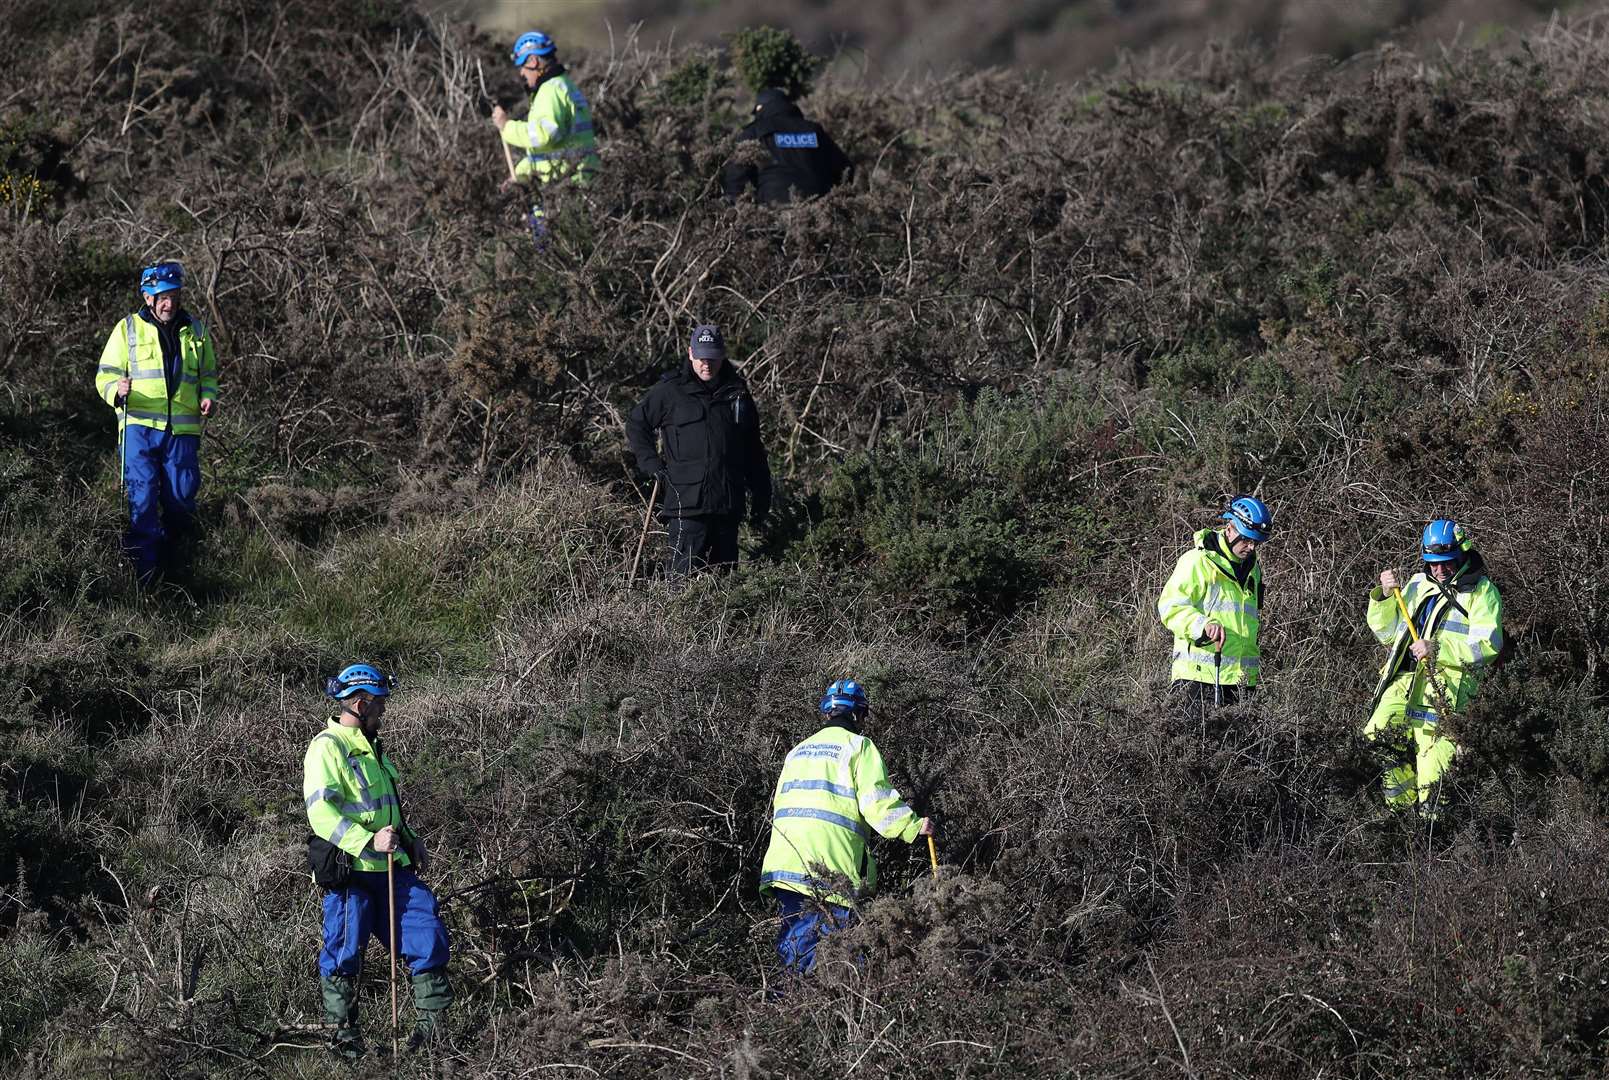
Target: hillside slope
1003 376
1064 38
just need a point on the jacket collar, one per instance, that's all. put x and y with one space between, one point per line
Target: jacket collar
1211 541
1470 575
181 319
728 377
351 738
558 70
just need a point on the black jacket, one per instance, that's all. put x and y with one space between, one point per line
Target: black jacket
705 438
799 158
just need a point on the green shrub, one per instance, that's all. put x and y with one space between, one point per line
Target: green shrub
969 522
41 978
693 82
766 57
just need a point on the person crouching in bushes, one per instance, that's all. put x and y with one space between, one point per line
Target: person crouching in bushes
833 793
782 155
349 786
1457 635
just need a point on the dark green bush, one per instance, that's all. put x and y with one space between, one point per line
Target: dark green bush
971 521
693 82
765 56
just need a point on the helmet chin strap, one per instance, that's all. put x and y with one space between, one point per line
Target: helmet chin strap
364 718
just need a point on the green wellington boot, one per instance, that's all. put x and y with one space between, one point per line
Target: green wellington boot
341 1009
432 994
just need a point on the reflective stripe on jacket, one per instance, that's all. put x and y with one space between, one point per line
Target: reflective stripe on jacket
833 793
557 133
134 351
1468 640
350 794
1204 587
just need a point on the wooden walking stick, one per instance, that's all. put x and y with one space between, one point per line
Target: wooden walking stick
647 516
508 155
391 917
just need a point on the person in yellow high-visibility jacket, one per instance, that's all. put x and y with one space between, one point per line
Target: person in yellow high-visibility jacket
354 809
1212 603
1458 615
833 794
160 372
557 134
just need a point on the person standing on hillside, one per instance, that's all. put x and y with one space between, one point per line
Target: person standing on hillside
833 793
782 155
557 134
349 786
1212 605
1457 635
160 372
697 433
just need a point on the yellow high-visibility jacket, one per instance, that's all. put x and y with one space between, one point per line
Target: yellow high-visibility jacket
557 133
1204 586
134 351
351 794
1466 622
833 793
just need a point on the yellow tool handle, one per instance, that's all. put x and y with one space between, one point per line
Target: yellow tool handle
1402 606
933 855
1429 666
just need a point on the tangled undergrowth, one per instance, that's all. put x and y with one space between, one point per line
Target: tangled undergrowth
1004 375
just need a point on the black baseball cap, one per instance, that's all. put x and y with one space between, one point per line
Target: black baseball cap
707 343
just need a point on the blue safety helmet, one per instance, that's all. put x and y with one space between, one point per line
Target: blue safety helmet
531 44
1251 518
1443 541
355 677
844 694
161 278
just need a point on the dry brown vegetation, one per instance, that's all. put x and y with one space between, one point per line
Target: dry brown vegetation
1004 375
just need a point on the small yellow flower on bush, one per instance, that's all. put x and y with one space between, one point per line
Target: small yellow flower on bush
19 190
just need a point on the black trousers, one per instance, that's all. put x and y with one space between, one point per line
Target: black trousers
706 541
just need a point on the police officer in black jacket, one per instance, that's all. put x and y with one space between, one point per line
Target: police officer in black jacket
783 155
698 433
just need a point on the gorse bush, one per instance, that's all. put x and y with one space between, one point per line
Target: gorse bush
766 57
969 521
1003 377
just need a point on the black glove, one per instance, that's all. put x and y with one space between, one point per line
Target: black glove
758 515
416 853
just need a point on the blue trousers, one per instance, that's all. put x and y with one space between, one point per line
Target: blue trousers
804 923
359 910
537 222
162 476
